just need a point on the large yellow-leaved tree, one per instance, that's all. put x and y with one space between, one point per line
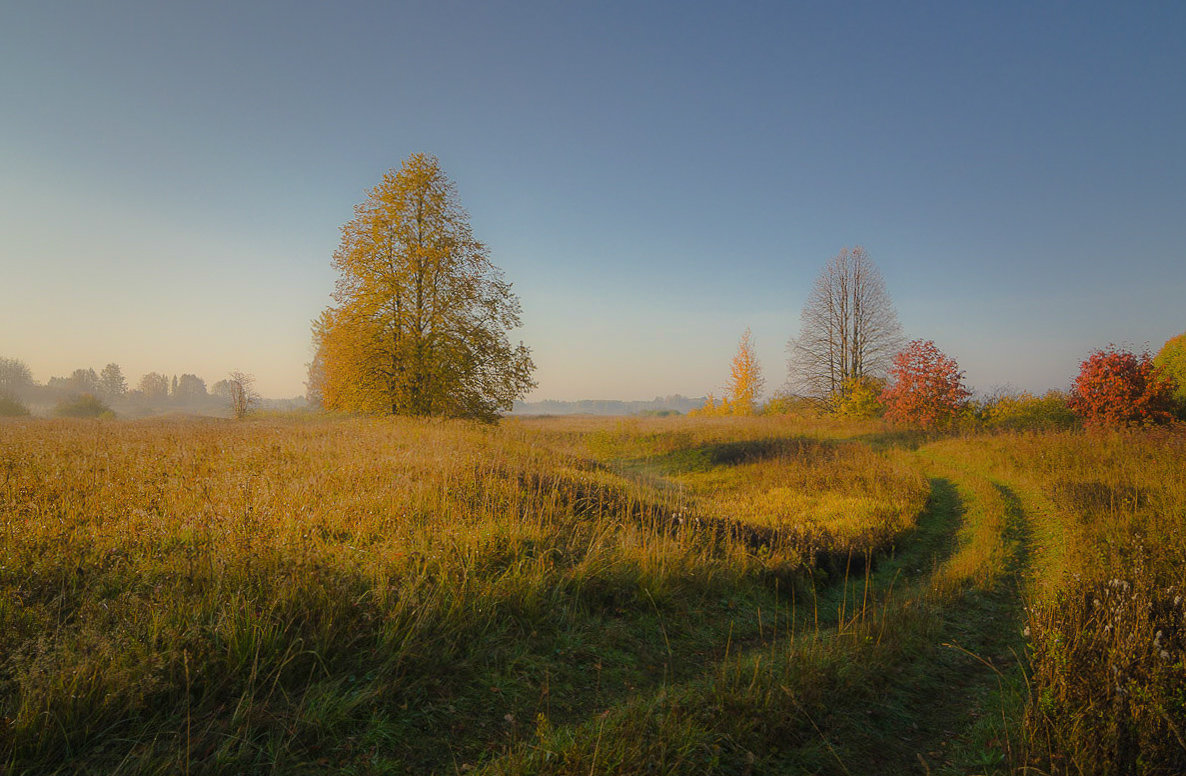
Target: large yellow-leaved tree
421 316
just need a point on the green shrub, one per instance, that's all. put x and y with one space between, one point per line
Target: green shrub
1024 411
1171 360
85 406
11 407
789 404
860 398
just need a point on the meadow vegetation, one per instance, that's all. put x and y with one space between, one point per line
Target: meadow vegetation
85 406
11 407
316 594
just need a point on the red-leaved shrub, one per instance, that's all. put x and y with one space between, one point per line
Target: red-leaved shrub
926 387
1116 387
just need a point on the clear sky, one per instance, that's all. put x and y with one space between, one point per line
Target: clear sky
652 177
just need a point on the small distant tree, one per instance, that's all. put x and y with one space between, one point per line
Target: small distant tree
15 377
243 396
1117 387
744 387
712 407
154 386
745 378
925 386
1171 360
112 383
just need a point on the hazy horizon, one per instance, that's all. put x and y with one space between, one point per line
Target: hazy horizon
652 180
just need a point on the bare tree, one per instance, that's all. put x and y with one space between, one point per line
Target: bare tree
848 329
243 395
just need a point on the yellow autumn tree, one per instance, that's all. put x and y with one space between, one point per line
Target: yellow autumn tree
745 378
422 314
744 387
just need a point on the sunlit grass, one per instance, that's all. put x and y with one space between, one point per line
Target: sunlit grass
257 575
1107 513
318 594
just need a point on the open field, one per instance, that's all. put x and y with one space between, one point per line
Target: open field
577 595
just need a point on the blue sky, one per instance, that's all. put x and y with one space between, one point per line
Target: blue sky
653 178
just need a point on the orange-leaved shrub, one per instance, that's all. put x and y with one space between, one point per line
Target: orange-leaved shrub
1117 387
926 386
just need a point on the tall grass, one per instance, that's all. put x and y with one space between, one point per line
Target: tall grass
342 589
581 595
1105 616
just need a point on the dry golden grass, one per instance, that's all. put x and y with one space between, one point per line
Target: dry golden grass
376 596
1106 619
240 572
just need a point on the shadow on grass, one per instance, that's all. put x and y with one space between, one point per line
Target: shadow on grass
1017 530
957 708
902 438
952 703
932 540
711 455
785 715
914 554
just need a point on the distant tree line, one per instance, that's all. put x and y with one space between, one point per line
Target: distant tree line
87 393
674 404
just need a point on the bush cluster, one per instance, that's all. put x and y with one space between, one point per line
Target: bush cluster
85 406
926 387
860 398
1116 387
12 407
1026 412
